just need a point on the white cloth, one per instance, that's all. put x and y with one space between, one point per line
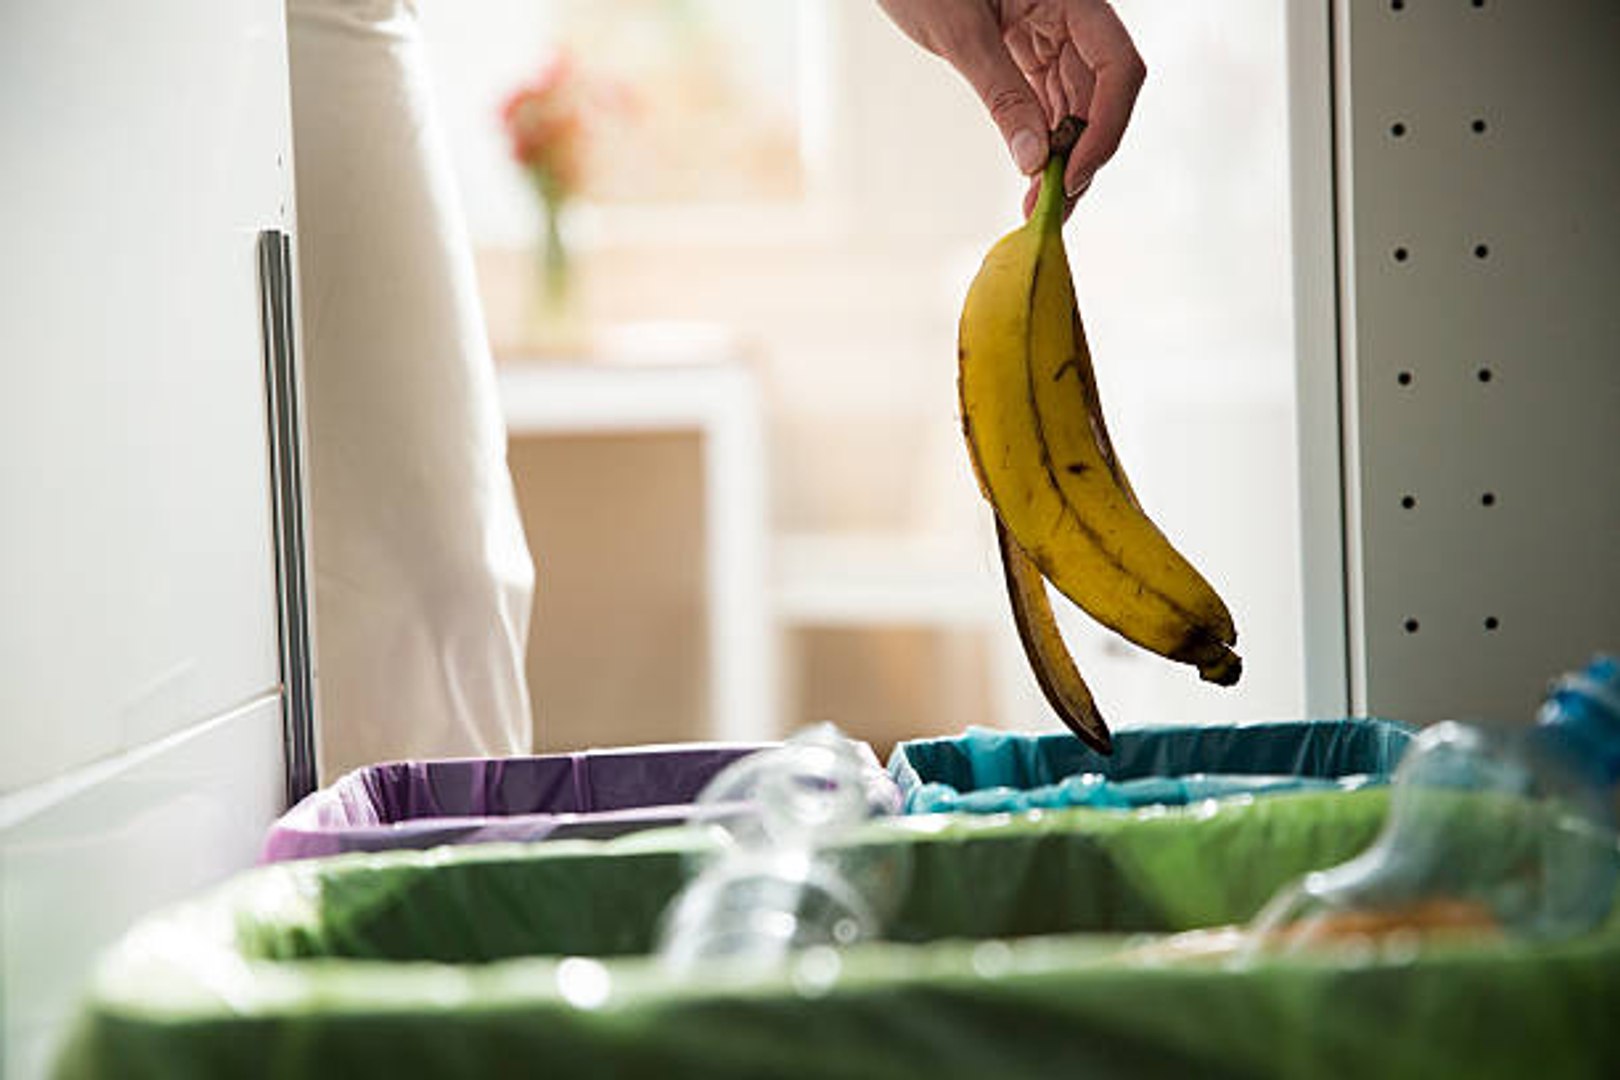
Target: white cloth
422 576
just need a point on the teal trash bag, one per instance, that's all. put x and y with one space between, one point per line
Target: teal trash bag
985 772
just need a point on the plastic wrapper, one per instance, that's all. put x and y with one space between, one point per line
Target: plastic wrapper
593 794
1004 958
986 771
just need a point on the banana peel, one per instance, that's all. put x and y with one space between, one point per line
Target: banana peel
1049 658
1065 511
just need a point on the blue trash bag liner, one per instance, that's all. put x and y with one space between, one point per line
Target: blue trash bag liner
984 771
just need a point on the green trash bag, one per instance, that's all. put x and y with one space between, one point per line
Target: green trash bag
1010 952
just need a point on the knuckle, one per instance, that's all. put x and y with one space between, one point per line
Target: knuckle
1135 69
1004 101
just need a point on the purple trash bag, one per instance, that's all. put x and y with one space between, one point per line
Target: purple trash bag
592 794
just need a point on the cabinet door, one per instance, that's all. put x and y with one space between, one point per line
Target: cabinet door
146 146
1479 254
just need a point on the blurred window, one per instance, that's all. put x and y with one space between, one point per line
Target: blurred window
702 100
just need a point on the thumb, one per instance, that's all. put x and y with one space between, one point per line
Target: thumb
989 68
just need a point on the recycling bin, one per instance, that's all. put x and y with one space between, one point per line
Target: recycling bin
1007 954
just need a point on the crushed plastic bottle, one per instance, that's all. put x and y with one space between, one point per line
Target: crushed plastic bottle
780 877
1490 832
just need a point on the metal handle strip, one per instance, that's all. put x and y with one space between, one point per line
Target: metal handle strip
287 490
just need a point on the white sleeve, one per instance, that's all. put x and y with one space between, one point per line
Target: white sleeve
422 577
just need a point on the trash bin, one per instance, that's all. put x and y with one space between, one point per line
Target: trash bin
591 794
1004 959
984 771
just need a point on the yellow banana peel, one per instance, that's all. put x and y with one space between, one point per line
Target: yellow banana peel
1055 670
1036 435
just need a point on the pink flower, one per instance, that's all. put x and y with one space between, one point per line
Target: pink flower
547 121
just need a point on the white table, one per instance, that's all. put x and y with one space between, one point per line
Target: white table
720 403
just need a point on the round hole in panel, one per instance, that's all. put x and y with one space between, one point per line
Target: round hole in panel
1483 374
1411 626
1481 251
1401 254
1488 499
1397 5
1397 129
1478 127
1404 378
1408 501
1492 622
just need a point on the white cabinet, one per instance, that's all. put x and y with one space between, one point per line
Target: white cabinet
1457 256
146 147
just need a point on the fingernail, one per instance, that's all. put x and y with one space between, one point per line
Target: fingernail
1028 150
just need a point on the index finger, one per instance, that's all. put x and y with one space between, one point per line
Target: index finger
1103 43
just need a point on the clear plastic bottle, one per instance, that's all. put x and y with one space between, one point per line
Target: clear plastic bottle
1489 832
780 877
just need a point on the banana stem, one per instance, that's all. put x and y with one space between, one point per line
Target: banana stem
1049 203
1048 215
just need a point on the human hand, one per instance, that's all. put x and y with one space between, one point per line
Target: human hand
1034 62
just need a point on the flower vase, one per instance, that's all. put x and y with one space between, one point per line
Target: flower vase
554 324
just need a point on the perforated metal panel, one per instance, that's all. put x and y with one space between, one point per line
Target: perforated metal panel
1476 179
